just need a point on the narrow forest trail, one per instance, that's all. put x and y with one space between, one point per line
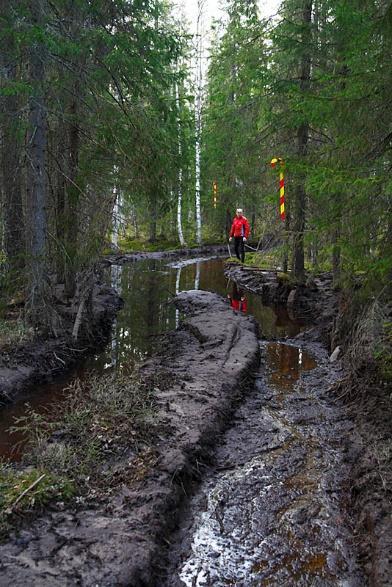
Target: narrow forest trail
147 287
272 509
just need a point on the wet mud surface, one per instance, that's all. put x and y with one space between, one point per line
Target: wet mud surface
147 289
277 472
273 509
120 542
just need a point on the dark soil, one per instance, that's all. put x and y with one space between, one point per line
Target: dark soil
42 359
368 407
273 508
199 375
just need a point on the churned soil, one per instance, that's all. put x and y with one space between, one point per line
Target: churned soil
42 359
199 376
367 409
273 506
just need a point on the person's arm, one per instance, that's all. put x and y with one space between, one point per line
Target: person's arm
247 228
232 230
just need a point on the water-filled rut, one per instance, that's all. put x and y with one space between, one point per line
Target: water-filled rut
271 511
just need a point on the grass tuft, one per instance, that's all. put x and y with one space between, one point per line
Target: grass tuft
100 437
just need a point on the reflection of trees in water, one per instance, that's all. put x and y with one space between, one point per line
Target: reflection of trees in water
148 286
178 280
197 276
287 363
115 279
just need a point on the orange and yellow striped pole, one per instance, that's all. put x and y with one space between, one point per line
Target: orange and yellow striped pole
215 192
274 162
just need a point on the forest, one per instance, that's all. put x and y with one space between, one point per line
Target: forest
129 137
103 121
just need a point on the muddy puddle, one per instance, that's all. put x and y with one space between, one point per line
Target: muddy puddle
147 288
268 511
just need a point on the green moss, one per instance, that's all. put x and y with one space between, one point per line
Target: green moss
130 245
22 491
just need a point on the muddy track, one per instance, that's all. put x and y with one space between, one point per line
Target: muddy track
273 508
121 542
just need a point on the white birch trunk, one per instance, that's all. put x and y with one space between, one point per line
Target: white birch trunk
115 217
179 192
199 88
116 273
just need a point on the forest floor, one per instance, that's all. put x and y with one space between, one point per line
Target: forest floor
228 472
28 358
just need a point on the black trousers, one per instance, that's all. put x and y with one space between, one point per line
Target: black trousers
239 248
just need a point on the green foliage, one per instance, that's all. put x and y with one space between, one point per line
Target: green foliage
13 332
26 490
257 102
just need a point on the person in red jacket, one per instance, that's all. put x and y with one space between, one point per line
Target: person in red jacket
240 231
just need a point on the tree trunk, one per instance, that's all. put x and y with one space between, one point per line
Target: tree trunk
153 217
336 256
199 88
36 192
302 148
179 191
14 242
72 198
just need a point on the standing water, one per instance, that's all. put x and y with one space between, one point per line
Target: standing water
147 288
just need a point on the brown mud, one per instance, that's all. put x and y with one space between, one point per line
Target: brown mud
120 542
288 496
43 359
368 491
273 508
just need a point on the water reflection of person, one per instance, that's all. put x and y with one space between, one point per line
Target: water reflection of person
238 300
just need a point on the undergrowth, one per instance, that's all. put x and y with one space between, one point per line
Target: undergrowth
99 438
14 332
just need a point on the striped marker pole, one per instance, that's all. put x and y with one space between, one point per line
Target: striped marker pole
215 192
274 162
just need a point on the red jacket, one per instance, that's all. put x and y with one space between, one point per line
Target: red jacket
240 227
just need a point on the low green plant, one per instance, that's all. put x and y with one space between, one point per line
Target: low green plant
14 332
129 245
22 491
101 417
71 450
